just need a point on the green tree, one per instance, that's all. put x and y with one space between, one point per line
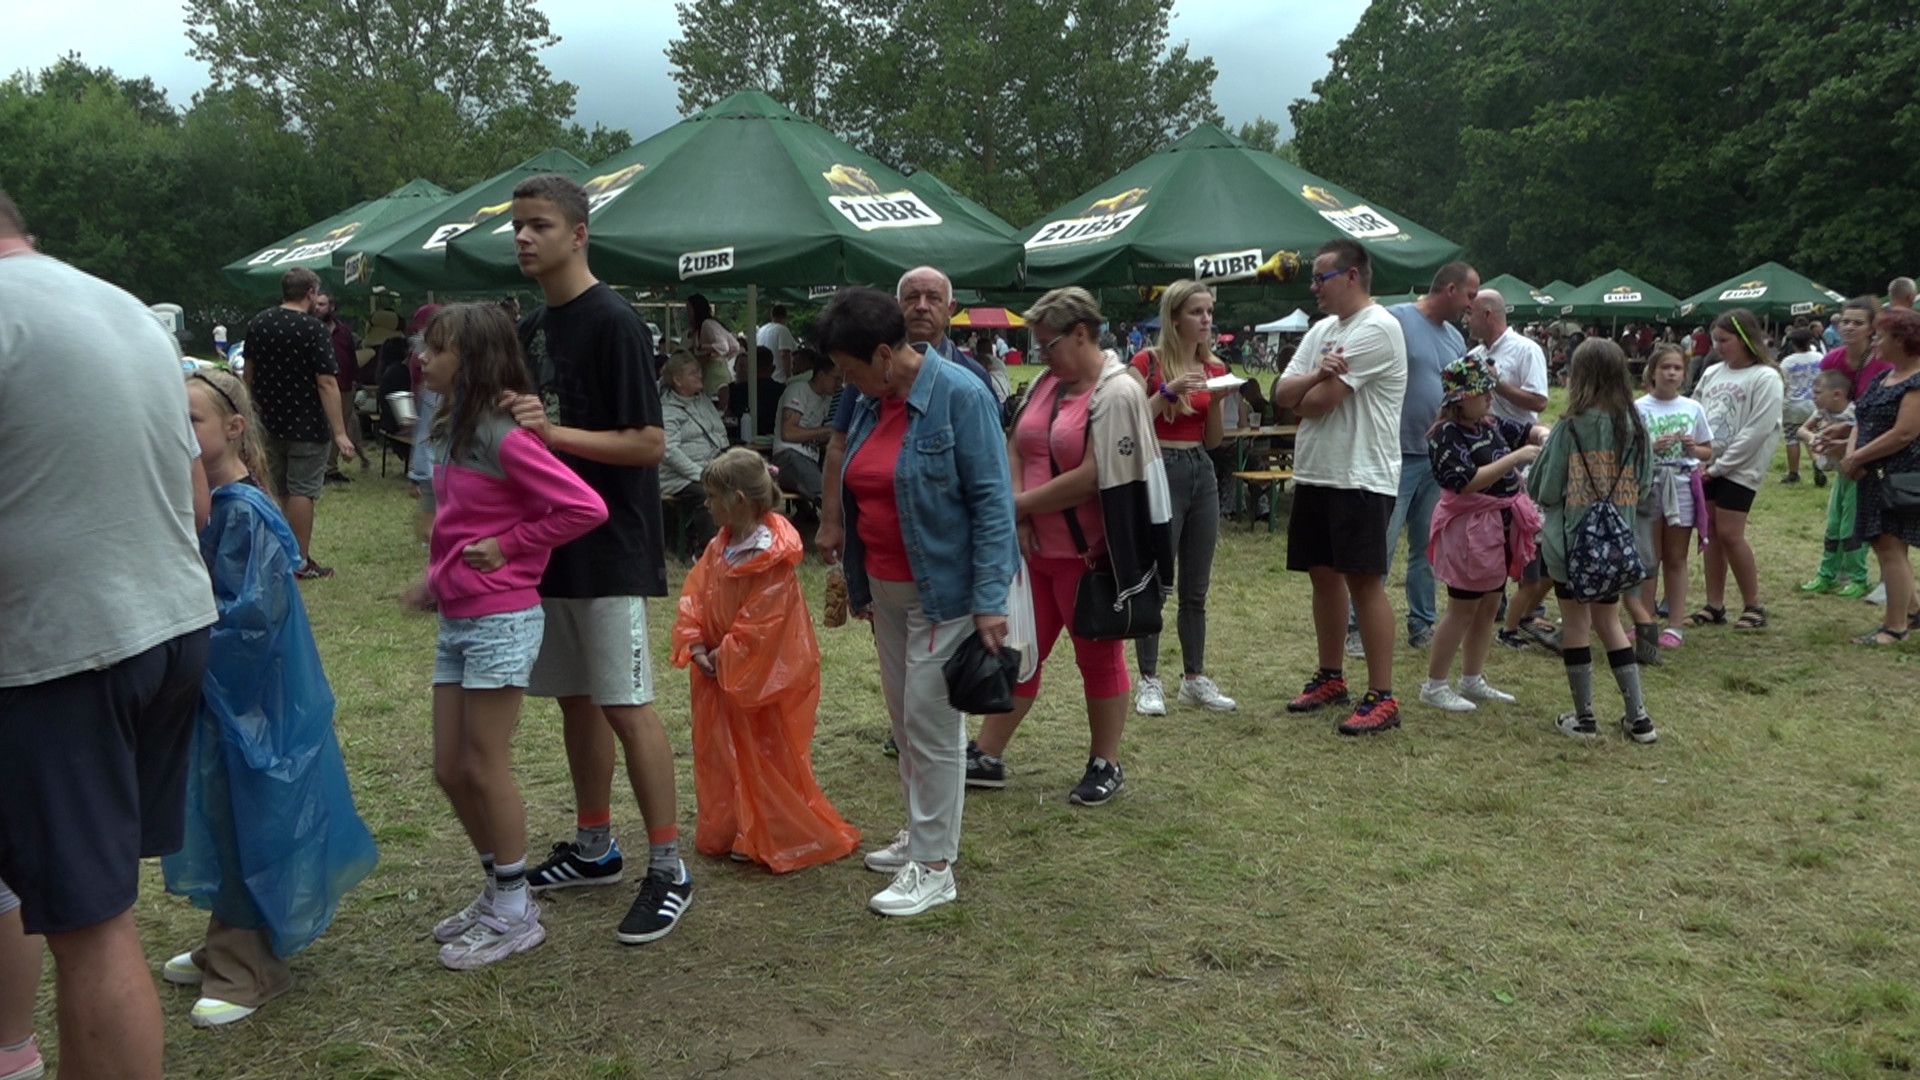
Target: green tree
1019 104
388 90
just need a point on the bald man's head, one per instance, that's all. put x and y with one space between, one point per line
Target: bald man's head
926 299
1487 318
1900 292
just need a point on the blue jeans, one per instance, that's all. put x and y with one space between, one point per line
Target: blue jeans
1413 515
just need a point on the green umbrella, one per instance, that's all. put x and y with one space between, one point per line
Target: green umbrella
1213 207
1769 290
1518 294
747 192
1546 298
927 184
259 273
1618 295
410 254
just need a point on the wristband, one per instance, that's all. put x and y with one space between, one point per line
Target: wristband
1167 392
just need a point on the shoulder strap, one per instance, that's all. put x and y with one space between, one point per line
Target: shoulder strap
1071 513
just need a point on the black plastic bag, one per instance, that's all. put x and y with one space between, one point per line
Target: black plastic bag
979 682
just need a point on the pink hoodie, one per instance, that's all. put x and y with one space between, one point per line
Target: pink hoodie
509 486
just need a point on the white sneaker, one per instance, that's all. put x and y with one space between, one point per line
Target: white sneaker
212 1012
180 971
454 926
1878 597
1580 727
1480 689
915 889
1355 647
1442 697
1151 698
890 859
1200 690
493 938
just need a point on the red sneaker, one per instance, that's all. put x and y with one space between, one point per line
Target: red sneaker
1321 691
1372 716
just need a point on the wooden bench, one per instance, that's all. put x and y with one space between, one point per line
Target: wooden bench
1272 480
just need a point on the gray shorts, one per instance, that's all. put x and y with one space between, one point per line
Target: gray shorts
595 648
295 468
1793 414
8 901
488 652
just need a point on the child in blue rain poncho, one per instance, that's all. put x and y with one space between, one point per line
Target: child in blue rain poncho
272 839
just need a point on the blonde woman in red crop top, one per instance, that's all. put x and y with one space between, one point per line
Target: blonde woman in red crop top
1186 419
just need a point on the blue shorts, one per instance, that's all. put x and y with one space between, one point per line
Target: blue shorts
488 652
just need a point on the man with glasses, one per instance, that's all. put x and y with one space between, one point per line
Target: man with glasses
1347 381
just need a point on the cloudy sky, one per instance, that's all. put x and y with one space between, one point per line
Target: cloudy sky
1268 52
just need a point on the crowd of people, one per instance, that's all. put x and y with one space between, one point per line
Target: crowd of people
155 612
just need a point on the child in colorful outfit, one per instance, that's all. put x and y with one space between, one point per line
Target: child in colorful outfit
1483 528
744 626
1843 564
502 503
1597 453
1681 439
272 839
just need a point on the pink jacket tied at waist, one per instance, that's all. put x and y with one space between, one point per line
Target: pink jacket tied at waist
1470 547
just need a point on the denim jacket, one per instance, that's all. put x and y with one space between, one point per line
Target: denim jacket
954 493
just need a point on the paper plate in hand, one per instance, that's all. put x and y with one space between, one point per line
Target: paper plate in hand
1224 382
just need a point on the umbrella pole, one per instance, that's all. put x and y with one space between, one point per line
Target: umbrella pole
753 365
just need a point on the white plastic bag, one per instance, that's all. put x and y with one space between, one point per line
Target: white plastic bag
1021 633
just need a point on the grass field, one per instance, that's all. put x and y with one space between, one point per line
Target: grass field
1466 897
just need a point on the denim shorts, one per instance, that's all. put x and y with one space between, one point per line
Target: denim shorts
488 652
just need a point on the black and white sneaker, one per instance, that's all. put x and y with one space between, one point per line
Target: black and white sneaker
984 770
1102 780
1578 725
657 910
566 868
1639 728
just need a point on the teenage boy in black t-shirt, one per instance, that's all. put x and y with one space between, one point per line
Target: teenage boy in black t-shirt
592 357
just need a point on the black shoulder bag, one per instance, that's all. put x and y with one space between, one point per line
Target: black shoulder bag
1102 610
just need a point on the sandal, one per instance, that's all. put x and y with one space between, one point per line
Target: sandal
1671 638
1882 636
1752 617
1708 615
1913 620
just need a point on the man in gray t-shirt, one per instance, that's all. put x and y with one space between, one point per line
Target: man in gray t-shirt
103 637
1431 325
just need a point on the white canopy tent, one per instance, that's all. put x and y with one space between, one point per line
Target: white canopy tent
1295 323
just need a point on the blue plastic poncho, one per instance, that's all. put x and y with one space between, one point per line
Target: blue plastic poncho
272 837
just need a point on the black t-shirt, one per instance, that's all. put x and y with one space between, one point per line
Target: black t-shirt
593 361
287 350
1458 451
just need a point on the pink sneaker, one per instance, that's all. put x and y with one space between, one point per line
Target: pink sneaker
22 1063
1670 638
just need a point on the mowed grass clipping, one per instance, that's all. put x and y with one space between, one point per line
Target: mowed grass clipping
1470 896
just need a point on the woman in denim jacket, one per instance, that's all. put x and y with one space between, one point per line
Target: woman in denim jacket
928 504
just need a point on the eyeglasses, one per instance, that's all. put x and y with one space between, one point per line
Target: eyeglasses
1046 348
1319 279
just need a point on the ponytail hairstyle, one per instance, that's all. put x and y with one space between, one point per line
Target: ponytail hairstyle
1745 325
741 473
484 339
1599 381
230 398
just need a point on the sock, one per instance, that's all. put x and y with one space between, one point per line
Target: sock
663 851
1646 631
593 832
21 1045
1471 680
486 866
1626 673
1580 677
1332 673
510 890
1435 684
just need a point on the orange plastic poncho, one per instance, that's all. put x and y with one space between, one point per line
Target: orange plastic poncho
753 723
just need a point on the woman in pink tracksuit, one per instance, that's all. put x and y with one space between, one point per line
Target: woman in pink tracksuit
503 503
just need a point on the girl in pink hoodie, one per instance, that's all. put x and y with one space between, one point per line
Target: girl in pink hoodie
503 503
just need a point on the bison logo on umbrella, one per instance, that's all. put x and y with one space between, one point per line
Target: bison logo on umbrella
850 180
1117 204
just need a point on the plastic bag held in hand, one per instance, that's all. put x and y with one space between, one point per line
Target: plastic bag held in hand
834 610
1022 635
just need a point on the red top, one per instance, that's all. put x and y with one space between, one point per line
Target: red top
1864 378
1068 439
1178 427
869 476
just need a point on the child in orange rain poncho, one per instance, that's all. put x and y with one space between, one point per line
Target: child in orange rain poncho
745 629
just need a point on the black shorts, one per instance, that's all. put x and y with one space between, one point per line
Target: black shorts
1466 594
93 778
1562 592
1344 529
1727 495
